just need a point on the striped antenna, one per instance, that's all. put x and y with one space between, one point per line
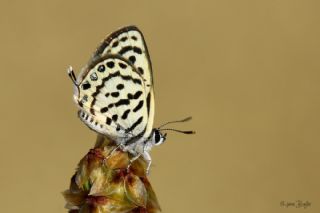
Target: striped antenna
180 131
178 121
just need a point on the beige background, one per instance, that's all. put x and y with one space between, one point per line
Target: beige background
247 71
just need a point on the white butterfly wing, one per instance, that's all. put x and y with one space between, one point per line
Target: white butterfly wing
113 99
127 45
130 44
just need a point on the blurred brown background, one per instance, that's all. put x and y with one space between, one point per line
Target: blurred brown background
247 71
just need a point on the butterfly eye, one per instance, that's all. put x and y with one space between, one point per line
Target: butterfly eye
157 137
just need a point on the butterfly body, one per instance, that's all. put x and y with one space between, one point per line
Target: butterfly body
114 92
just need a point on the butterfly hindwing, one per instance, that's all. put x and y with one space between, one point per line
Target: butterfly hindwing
113 99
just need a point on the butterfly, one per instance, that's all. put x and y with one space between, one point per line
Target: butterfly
115 94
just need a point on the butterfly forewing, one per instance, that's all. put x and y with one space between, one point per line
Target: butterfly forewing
116 88
130 44
113 99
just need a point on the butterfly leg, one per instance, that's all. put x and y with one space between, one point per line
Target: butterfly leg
133 159
114 150
147 157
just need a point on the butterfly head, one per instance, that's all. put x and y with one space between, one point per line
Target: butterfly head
158 137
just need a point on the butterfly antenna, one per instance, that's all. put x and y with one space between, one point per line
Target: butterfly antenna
180 131
178 121
72 76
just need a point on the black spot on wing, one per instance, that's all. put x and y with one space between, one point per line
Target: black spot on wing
125 114
132 59
92 111
84 99
134 38
135 124
135 96
123 39
108 121
122 65
110 64
120 86
94 76
139 106
86 85
122 102
148 102
137 50
114 117
101 68
104 109
126 49
115 44
115 94
140 70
